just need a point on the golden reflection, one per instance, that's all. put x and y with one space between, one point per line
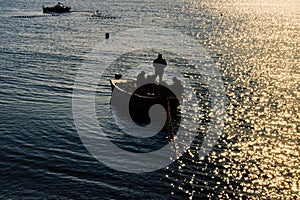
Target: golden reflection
257 48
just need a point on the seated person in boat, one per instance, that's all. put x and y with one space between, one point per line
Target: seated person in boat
150 78
140 80
177 87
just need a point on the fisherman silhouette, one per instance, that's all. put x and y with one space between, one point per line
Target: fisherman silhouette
159 65
177 87
140 80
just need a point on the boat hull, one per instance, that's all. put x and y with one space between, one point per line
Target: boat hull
140 105
56 9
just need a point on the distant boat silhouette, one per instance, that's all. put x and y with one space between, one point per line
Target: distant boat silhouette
59 8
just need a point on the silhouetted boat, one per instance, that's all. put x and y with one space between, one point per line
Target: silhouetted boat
97 15
59 8
142 98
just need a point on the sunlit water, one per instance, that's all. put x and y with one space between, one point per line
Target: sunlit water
255 45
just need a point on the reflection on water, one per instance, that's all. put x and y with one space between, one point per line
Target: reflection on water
256 45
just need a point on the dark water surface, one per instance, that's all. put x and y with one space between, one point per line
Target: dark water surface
255 46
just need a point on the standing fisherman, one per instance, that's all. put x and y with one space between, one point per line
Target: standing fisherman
159 64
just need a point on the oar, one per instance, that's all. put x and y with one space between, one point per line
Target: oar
171 128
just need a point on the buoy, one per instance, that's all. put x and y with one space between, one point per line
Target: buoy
106 35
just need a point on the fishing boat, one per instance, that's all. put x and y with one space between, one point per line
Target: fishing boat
142 98
97 15
59 8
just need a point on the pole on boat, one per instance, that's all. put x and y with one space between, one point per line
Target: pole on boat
171 128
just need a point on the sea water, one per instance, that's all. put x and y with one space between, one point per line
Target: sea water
255 47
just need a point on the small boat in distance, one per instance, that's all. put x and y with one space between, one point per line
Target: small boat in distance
59 8
97 15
